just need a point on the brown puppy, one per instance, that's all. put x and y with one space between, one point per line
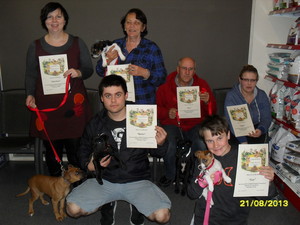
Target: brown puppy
56 188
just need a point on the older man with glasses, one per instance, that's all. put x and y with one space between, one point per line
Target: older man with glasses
166 99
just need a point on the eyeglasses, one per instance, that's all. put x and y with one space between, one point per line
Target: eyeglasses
248 80
187 68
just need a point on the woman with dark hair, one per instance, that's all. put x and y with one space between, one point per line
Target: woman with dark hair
64 125
144 56
246 92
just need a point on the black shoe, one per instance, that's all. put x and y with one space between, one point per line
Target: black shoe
108 213
136 218
164 181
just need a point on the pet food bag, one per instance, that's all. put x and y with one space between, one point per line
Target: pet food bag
295 110
293 36
288 172
287 103
278 143
293 166
292 156
273 129
294 71
280 57
279 70
276 100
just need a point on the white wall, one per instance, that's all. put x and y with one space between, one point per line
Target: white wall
266 29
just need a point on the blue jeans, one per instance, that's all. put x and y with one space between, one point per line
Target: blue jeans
170 157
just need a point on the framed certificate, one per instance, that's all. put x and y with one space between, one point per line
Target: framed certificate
248 181
122 70
140 125
52 69
240 119
188 102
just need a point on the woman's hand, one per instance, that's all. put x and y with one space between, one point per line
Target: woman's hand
30 101
139 71
267 172
257 133
111 54
73 72
161 135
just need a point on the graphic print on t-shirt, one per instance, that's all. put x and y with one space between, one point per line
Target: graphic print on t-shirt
118 134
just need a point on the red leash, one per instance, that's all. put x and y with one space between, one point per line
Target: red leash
38 113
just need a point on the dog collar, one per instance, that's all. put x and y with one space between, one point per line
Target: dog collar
213 161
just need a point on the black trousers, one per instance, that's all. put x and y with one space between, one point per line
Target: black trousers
70 145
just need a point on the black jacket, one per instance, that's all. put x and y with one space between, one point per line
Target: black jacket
135 159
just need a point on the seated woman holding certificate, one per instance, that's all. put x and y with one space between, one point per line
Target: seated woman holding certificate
66 55
167 111
246 92
144 56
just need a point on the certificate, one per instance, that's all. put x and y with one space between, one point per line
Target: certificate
122 70
52 69
248 182
188 102
140 125
240 119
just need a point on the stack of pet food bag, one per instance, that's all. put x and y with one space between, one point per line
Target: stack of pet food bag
284 146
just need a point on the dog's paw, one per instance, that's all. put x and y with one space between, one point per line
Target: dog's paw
122 57
45 202
59 218
31 213
64 215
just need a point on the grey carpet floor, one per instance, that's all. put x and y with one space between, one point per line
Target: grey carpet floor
13 211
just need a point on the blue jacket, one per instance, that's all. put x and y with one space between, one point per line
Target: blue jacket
259 108
146 55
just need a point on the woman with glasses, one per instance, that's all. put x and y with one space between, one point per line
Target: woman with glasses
246 92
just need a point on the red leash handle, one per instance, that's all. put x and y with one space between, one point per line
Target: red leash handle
38 113
62 102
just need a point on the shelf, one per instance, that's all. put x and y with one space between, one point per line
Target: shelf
284 82
295 187
289 12
282 46
287 126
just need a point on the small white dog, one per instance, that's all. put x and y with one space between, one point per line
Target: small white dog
101 48
209 165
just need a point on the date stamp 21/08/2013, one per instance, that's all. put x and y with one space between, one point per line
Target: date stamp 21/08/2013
264 203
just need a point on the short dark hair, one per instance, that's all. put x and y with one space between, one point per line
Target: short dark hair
50 7
139 14
215 124
248 68
112 80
